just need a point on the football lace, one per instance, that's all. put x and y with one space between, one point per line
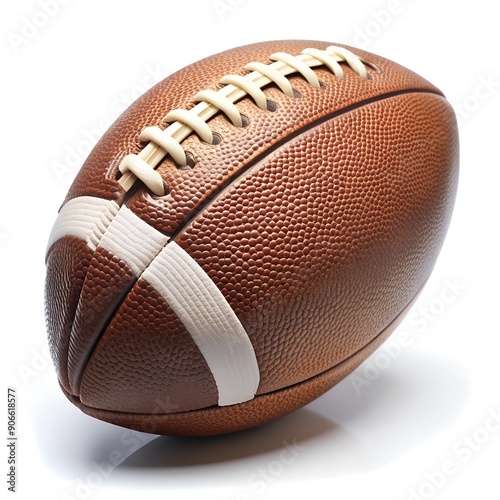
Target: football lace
183 122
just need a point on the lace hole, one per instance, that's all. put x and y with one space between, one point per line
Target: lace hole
373 66
166 192
322 86
190 163
244 121
271 106
297 94
216 139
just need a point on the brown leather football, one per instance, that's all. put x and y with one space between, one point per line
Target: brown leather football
246 234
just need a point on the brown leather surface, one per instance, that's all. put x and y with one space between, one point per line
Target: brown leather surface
107 280
225 419
67 263
303 249
240 147
156 366
318 222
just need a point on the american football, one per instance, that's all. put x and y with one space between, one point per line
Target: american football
246 234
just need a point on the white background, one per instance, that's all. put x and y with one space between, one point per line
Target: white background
429 396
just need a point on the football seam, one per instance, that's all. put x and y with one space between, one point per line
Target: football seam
290 137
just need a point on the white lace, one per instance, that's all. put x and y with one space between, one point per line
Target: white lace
183 122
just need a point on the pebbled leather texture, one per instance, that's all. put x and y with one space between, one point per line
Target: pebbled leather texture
211 420
319 222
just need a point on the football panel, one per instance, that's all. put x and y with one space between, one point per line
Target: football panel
124 250
106 282
321 245
146 361
224 419
67 264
